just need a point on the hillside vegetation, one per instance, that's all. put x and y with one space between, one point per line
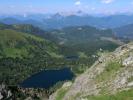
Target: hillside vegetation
25 49
109 78
22 55
82 42
85 39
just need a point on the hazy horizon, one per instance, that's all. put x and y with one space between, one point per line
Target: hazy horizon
91 7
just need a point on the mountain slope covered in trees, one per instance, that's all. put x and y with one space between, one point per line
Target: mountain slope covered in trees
23 54
84 39
22 50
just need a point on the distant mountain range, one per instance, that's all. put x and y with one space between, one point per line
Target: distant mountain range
125 31
58 21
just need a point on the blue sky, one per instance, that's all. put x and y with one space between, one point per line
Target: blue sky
66 6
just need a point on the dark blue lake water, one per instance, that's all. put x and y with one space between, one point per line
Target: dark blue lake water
47 78
72 58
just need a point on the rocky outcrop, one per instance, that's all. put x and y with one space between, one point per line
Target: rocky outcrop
16 93
128 61
5 93
117 79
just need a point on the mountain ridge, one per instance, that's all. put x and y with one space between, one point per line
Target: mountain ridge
125 31
110 75
58 21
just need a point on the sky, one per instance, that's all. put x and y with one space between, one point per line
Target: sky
66 6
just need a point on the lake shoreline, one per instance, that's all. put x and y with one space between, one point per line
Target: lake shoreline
48 78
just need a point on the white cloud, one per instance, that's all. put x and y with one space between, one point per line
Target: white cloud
77 3
107 1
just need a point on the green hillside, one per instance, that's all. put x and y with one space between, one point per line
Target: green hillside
23 51
18 44
29 29
85 39
22 54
